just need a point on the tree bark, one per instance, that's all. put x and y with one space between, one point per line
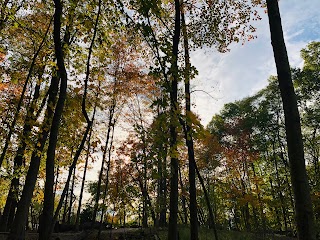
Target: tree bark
276 210
17 231
12 198
173 219
65 207
188 136
83 181
206 195
162 184
299 179
71 168
110 126
48 205
71 196
15 118
104 197
184 219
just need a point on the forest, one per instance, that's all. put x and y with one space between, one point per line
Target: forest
98 130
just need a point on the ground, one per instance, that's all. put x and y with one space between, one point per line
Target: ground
152 234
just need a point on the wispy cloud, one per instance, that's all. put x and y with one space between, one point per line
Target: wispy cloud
246 68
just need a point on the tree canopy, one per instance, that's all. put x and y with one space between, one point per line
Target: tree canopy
98 125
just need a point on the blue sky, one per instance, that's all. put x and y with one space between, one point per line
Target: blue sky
245 69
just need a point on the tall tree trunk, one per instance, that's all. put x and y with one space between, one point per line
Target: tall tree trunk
206 195
71 196
173 219
299 179
57 179
85 114
109 131
273 194
189 137
83 181
104 197
285 162
15 117
71 168
281 197
161 198
65 208
12 198
183 199
48 204
262 215
17 231
162 186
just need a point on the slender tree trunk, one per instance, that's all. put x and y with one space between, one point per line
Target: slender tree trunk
17 231
83 182
144 209
161 214
104 197
188 135
85 114
57 179
162 188
279 224
144 186
65 208
281 197
48 204
285 163
206 195
262 215
71 196
15 118
110 126
71 168
299 179
183 200
12 198
173 219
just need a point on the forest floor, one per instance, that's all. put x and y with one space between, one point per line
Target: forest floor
114 234
207 234
151 234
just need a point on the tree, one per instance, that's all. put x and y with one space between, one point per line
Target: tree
303 205
187 125
48 206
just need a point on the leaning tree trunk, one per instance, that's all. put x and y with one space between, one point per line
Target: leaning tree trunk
188 136
16 114
83 181
12 198
17 231
299 179
71 168
48 205
104 155
104 197
206 195
71 196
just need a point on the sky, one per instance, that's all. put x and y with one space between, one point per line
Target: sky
246 68
227 77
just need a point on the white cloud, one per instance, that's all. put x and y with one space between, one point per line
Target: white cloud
246 68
